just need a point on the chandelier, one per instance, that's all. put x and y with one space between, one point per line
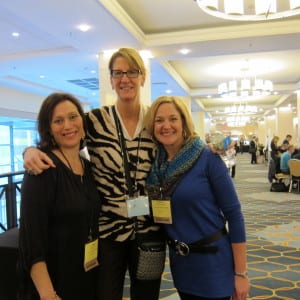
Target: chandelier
237 121
256 10
245 87
240 109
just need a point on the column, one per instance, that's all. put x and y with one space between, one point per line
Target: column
199 122
285 123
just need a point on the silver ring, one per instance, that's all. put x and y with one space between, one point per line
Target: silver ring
30 172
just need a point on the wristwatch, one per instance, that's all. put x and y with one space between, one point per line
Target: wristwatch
243 275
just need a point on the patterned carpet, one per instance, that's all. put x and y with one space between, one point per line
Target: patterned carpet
273 232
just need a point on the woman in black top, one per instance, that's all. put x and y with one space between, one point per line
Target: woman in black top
59 210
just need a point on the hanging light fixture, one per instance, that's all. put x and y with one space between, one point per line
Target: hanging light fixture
237 121
256 10
245 87
240 109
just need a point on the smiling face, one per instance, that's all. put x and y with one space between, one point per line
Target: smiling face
127 89
168 128
66 125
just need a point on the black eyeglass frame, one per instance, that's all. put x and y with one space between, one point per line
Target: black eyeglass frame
130 73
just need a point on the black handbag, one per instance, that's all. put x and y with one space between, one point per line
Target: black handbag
278 187
151 255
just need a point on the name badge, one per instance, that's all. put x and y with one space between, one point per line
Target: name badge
138 206
161 210
91 255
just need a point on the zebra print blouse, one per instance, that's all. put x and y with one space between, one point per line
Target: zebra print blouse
108 168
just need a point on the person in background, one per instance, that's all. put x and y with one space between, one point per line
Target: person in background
274 148
296 154
195 189
229 155
287 140
252 150
117 230
242 141
59 210
275 154
284 159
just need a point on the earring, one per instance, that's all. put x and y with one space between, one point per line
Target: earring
184 134
53 142
82 142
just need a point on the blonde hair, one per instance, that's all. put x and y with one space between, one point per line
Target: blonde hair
187 122
132 56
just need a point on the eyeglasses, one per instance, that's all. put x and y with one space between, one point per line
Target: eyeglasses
129 73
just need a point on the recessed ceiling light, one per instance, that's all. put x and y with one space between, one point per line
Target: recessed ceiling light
168 91
84 27
146 54
15 34
184 51
42 76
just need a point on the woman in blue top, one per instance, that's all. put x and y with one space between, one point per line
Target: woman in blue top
206 261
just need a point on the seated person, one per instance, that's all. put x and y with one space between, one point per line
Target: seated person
296 154
284 159
287 140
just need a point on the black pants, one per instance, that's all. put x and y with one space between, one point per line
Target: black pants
192 297
114 259
233 171
253 158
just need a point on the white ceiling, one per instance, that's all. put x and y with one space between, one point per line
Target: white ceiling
50 44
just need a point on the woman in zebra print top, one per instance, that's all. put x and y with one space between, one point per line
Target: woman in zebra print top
117 246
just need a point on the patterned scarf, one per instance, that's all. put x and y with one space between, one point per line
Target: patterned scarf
166 175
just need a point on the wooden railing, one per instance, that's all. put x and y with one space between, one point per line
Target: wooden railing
10 195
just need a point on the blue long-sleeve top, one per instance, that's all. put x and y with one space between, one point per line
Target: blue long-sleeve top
204 200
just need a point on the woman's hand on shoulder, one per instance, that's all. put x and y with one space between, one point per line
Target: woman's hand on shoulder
36 161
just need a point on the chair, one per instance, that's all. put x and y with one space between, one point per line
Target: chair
8 264
294 165
281 177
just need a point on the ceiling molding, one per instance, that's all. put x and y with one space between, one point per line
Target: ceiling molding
38 53
121 16
175 75
204 34
227 32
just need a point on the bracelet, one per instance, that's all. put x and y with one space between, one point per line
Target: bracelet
243 275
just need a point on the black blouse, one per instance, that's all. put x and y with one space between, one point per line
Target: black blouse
58 211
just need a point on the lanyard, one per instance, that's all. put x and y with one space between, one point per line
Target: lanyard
131 183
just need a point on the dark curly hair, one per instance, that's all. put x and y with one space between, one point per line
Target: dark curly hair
45 115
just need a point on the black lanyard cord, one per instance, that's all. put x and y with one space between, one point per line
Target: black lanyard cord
130 184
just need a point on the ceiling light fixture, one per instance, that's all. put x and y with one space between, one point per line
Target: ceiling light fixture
237 121
184 51
255 10
240 109
245 87
84 27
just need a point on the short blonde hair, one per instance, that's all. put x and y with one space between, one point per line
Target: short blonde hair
187 122
132 56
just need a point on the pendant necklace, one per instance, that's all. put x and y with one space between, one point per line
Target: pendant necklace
69 165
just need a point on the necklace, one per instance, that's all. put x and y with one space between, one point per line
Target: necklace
69 165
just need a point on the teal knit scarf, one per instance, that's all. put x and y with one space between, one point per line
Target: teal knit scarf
166 175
